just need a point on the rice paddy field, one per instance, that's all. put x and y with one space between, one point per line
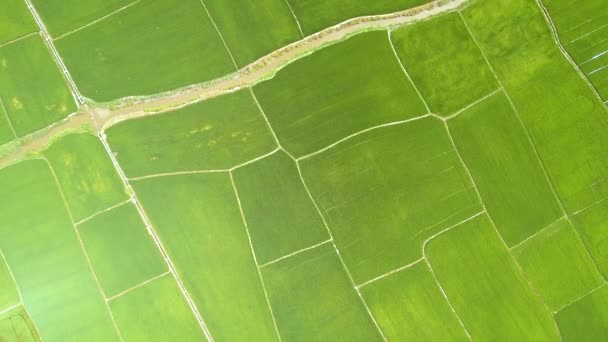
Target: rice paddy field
424 171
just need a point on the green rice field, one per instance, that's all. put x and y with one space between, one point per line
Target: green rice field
428 171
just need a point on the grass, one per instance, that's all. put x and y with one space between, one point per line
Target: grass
582 28
86 174
42 250
505 168
9 295
198 220
216 134
444 63
156 312
409 306
337 91
6 132
386 191
32 89
121 251
163 45
15 20
557 264
16 325
585 320
486 287
313 299
315 15
280 215
253 29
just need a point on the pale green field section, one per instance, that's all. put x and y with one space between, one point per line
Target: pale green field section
507 172
582 27
445 64
592 225
313 300
156 311
15 20
45 256
558 265
33 92
17 326
253 29
150 47
6 132
485 286
198 220
409 306
384 192
586 319
315 15
338 91
121 251
9 294
280 215
565 120
216 134
86 174
62 16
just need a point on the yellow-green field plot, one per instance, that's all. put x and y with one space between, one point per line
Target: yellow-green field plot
485 286
253 29
592 225
582 27
313 299
507 172
444 63
121 251
156 312
33 93
150 47
280 215
9 294
315 15
586 319
197 218
216 134
15 20
557 264
17 326
43 252
409 306
337 91
385 191
86 174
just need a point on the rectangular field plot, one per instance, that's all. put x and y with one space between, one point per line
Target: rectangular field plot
86 174
444 63
215 134
567 123
32 90
17 326
409 306
280 215
63 16
43 251
156 311
557 264
315 15
585 319
9 294
507 172
6 131
337 91
121 251
150 47
15 20
486 288
582 27
384 192
198 220
592 225
253 29
313 299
